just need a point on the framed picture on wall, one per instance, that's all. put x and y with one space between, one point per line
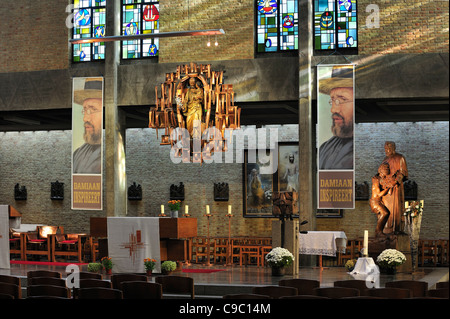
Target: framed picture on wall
288 167
259 182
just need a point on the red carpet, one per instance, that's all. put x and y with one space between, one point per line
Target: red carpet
43 263
202 271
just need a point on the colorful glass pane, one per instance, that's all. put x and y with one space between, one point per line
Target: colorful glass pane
89 21
140 17
335 24
277 25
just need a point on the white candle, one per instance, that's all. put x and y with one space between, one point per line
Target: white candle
421 202
186 210
207 209
406 204
229 209
162 209
366 243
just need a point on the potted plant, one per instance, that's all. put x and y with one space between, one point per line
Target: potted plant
350 265
94 267
149 265
389 259
107 264
278 258
168 266
174 206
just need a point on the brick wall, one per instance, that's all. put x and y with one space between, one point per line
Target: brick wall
35 159
33 35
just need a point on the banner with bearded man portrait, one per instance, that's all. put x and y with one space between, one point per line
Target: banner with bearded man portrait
87 143
335 117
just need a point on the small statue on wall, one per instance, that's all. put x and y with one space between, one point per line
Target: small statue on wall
135 192
284 204
57 191
20 193
177 192
221 192
362 191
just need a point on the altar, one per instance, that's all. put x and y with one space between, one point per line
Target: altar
132 239
322 243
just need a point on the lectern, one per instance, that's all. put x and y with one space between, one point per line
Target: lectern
175 235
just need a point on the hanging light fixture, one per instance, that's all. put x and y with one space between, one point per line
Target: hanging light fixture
195 109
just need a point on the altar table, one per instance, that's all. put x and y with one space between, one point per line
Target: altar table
322 243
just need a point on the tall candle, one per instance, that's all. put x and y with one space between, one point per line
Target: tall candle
186 210
421 202
406 204
366 243
162 209
207 209
229 209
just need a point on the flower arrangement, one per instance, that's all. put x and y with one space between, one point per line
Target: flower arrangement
279 257
106 263
413 209
168 266
174 204
149 263
350 264
390 258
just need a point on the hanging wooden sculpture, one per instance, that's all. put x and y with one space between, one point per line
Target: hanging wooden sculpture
195 103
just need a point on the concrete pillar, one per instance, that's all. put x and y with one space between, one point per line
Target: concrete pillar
307 144
115 178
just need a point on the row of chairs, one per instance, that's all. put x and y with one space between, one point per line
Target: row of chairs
310 289
50 284
50 242
237 250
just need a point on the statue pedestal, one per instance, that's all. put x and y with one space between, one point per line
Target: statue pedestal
399 242
290 241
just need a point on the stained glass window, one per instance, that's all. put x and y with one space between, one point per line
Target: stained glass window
335 24
277 25
89 21
140 17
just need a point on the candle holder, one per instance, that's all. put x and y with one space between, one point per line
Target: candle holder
186 215
229 246
162 215
208 250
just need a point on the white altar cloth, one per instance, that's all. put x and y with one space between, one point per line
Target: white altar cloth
131 240
325 243
366 269
4 237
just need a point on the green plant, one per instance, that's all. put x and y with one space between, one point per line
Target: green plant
350 264
107 263
390 258
94 267
168 265
174 204
149 263
279 257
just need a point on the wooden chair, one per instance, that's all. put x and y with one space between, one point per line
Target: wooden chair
11 280
245 296
47 281
220 250
442 284
265 249
348 254
336 292
427 251
11 289
312 297
275 292
16 244
361 285
177 285
438 292
141 290
417 288
236 246
6 296
68 245
389 293
47 290
200 249
304 286
43 273
443 252
39 242
90 275
99 293
248 252
91 283
117 279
